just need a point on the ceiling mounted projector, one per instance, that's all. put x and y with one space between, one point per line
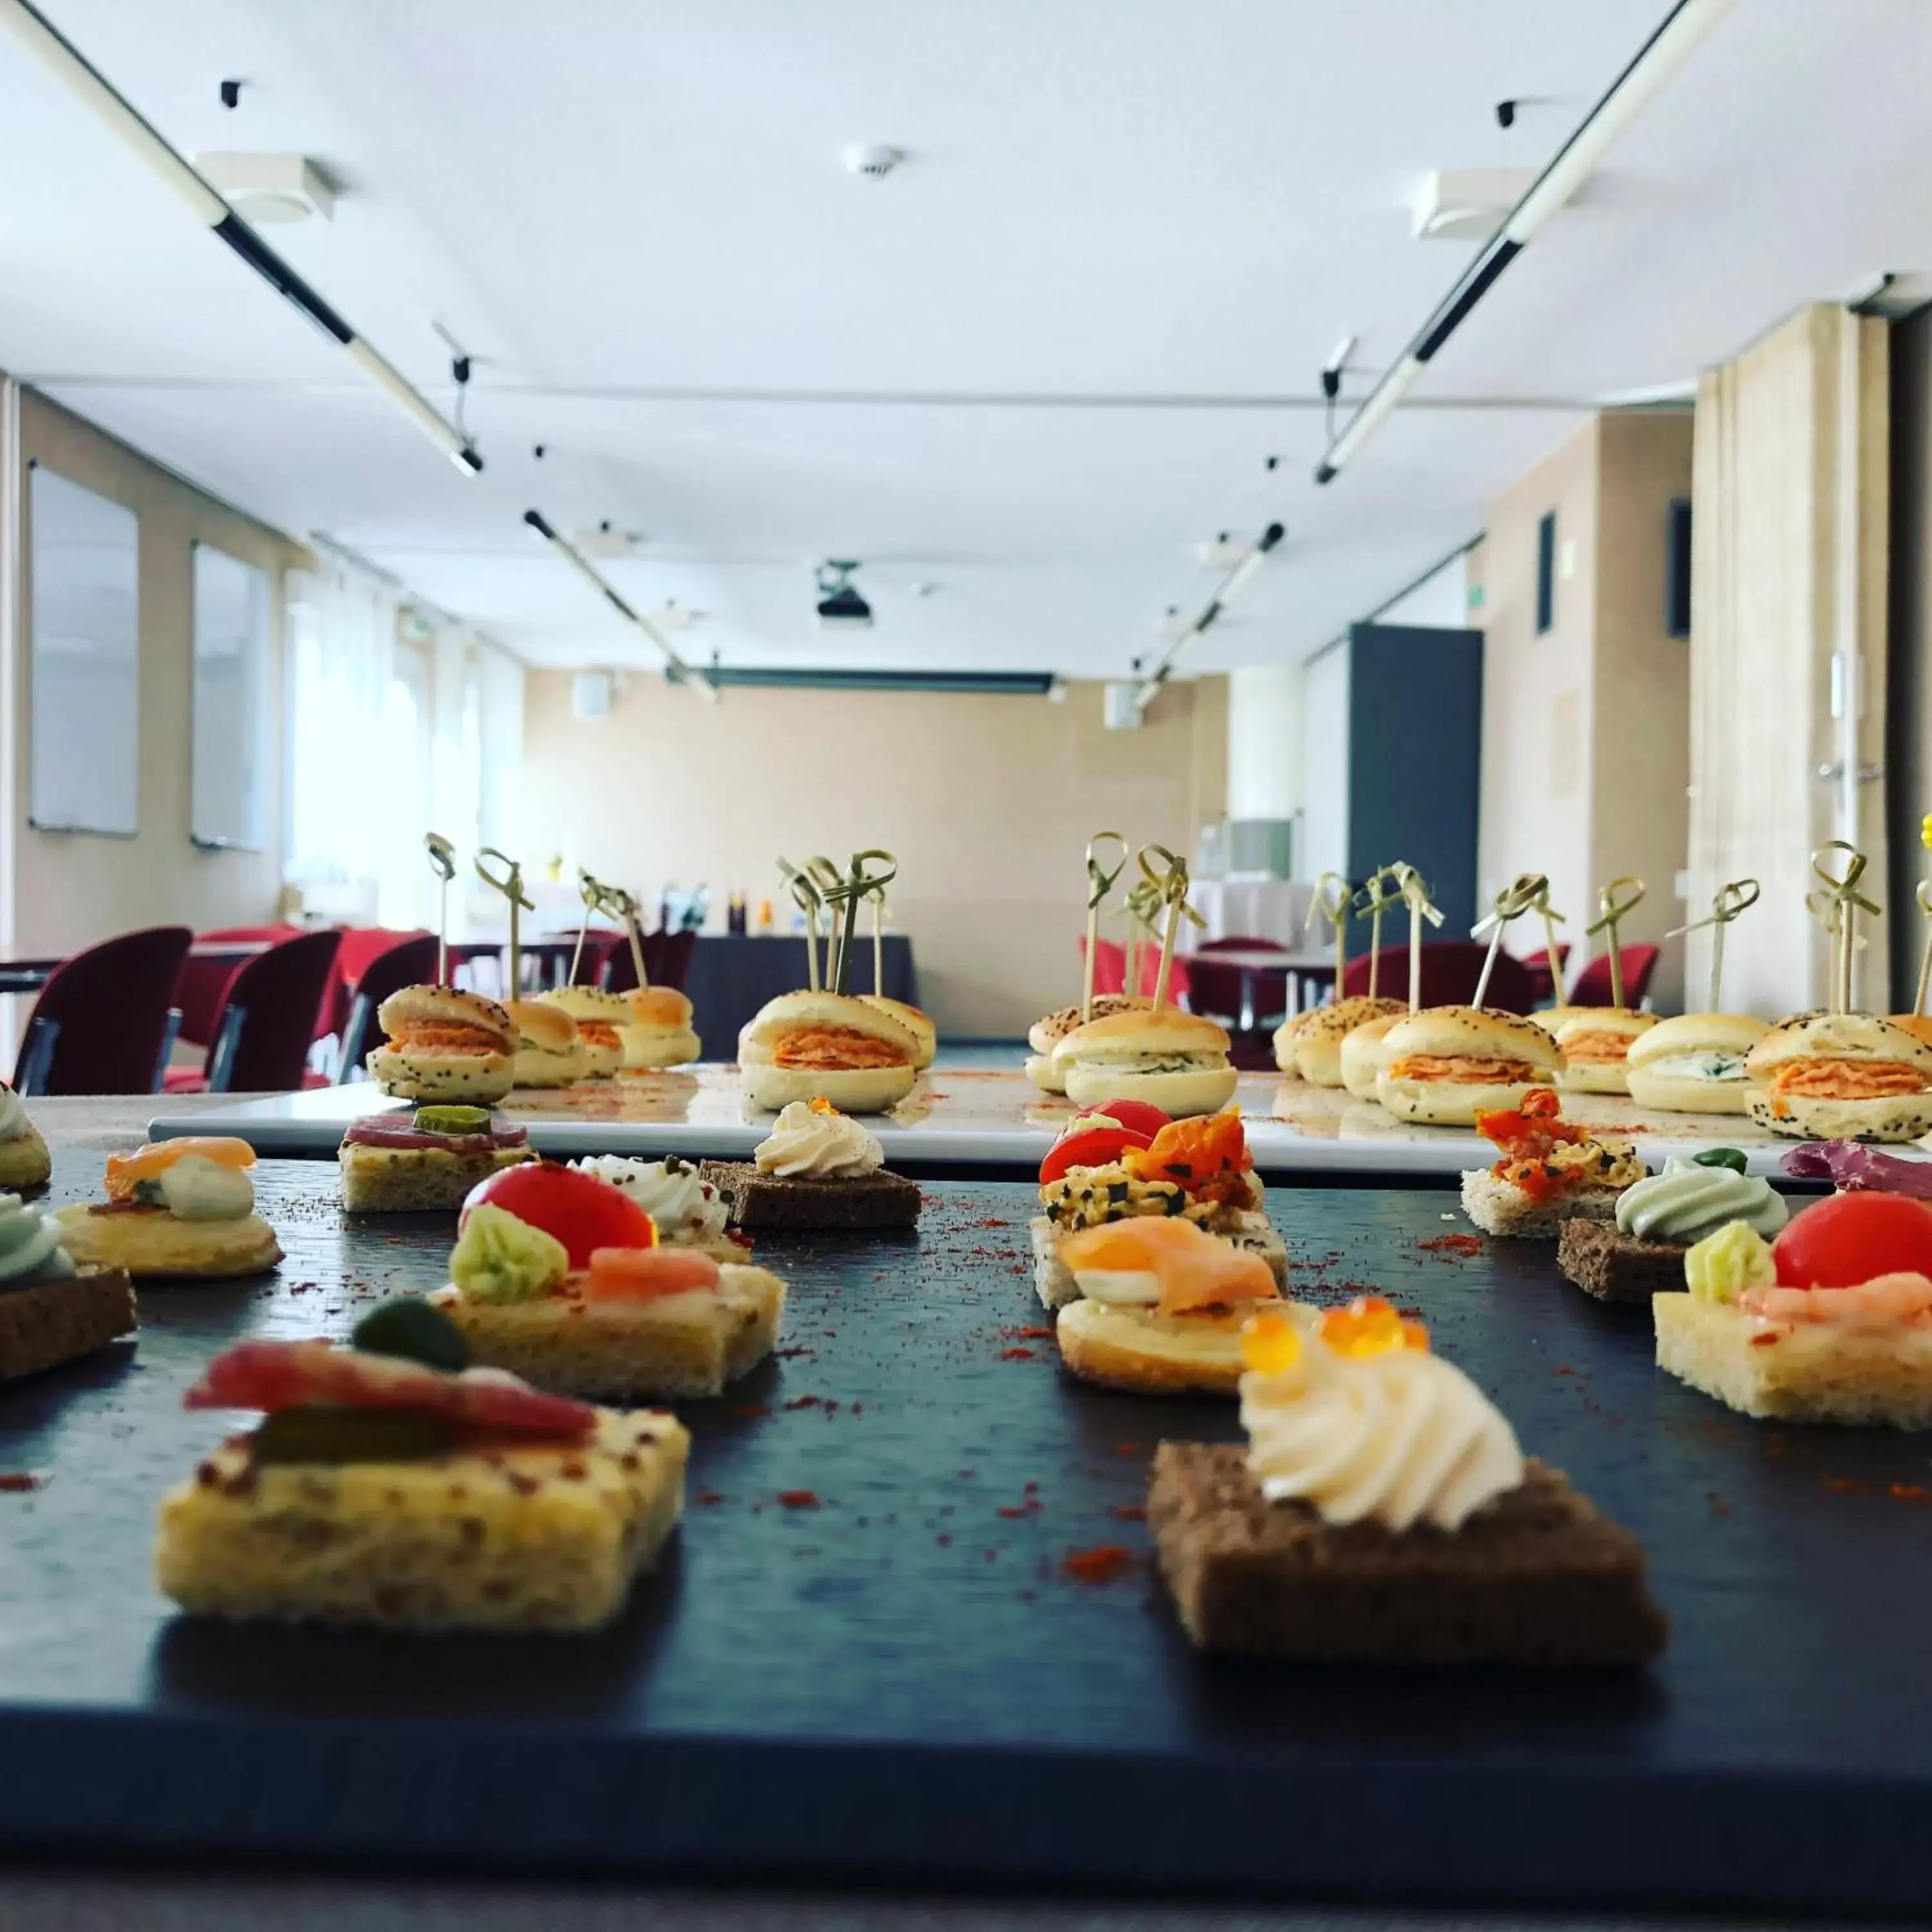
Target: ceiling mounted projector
840 606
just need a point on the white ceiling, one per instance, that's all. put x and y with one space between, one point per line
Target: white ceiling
1034 368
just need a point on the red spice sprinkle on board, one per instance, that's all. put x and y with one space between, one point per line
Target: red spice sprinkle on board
1127 1449
708 1498
18 1482
944 1542
1841 1486
806 1401
1031 1334
1909 1492
1100 1565
1128 1512
798 1498
1460 1245
1031 1507
1016 1354
751 1411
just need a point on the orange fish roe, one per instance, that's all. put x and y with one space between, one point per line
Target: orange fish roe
1370 1326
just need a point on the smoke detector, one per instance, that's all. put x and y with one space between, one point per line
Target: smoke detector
1467 204
874 163
606 543
269 188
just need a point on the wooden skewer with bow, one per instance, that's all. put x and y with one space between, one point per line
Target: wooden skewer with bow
1739 896
1515 899
1611 912
510 883
1414 888
1845 902
1099 882
1169 883
443 862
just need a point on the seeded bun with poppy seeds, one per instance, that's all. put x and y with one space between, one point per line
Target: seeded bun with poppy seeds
1445 1065
444 1045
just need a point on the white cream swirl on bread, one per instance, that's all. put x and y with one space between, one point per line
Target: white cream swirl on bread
682 1207
806 1142
1399 1437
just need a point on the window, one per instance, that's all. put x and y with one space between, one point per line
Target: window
1545 573
230 781
85 660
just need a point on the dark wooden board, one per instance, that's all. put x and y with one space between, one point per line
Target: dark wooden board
903 1685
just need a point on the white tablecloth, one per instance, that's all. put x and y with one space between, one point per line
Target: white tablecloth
1252 908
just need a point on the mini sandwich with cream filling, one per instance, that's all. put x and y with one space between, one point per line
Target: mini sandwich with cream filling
599 1015
1048 1033
1695 1064
814 1046
1445 1065
1841 1076
919 1024
1178 1061
1596 1043
658 1031
1311 1043
549 1053
444 1046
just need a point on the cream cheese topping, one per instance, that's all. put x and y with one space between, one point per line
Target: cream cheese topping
826 1146
30 1245
1686 1202
1124 1287
682 1207
13 1115
197 1189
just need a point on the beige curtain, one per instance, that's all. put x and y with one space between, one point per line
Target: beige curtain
1788 590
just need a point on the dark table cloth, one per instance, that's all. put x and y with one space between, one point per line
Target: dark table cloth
734 974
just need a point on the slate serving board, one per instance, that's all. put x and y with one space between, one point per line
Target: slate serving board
902 1684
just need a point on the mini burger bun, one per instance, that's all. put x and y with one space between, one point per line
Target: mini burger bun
1046 1033
1040 1069
658 1032
1890 1117
588 1003
1206 1090
1128 1035
444 1006
539 1024
1094 1061
1360 1058
915 1022
1462 1032
657 1007
597 1060
1317 1047
1692 1032
857 1090
1919 1025
1836 1036
1599 1076
1550 1019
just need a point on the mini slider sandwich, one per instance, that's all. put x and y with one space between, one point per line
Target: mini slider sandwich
1446 1065
1841 1076
1048 1033
1361 1057
599 1015
813 1046
182 1208
401 1164
1310 1044
444 1046
549 1053
919 1024
559 1277
1596 1042
388 1483
1174 1060
658 1031
1695 1064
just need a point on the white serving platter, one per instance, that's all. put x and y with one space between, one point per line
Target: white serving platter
974 1117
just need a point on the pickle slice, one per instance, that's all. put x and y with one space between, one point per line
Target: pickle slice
1731 1157
323 1434
453 1120
410 1328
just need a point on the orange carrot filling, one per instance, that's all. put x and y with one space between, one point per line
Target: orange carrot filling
1828 1079
1458 1066
444 1036
834 1047
597 1033
1597 1049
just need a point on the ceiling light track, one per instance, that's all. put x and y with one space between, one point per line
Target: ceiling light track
68 66
1149 688
1682 31
675 666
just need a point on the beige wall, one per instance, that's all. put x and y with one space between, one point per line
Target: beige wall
1585 728
71 889
988 803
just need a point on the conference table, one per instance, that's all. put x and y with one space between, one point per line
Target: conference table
29 972
1309 975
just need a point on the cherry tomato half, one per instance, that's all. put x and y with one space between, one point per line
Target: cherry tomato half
583 1213
1853 1238
1138 1117
1092 1147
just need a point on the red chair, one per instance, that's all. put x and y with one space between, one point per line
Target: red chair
409 962
203 983
106 1018
1110 965
668 958
1218 990
1180 977
1548 986
362 945
268 1022
1449 973
1593 984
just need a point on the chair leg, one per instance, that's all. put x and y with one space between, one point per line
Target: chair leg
355 1040
170 1032
221 1054
37 1062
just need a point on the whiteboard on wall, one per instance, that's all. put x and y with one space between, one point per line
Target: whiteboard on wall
84 665
230 784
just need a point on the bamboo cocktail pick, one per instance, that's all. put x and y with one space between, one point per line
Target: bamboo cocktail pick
1381 891
1924 897
622 906
1169 885
1143 910
593 896
1514 900
1415 890
443 862
1610 912
1099 884
1846 903
1552 956
1740 895
806 897
825 876
852 886
1331 902
511 885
